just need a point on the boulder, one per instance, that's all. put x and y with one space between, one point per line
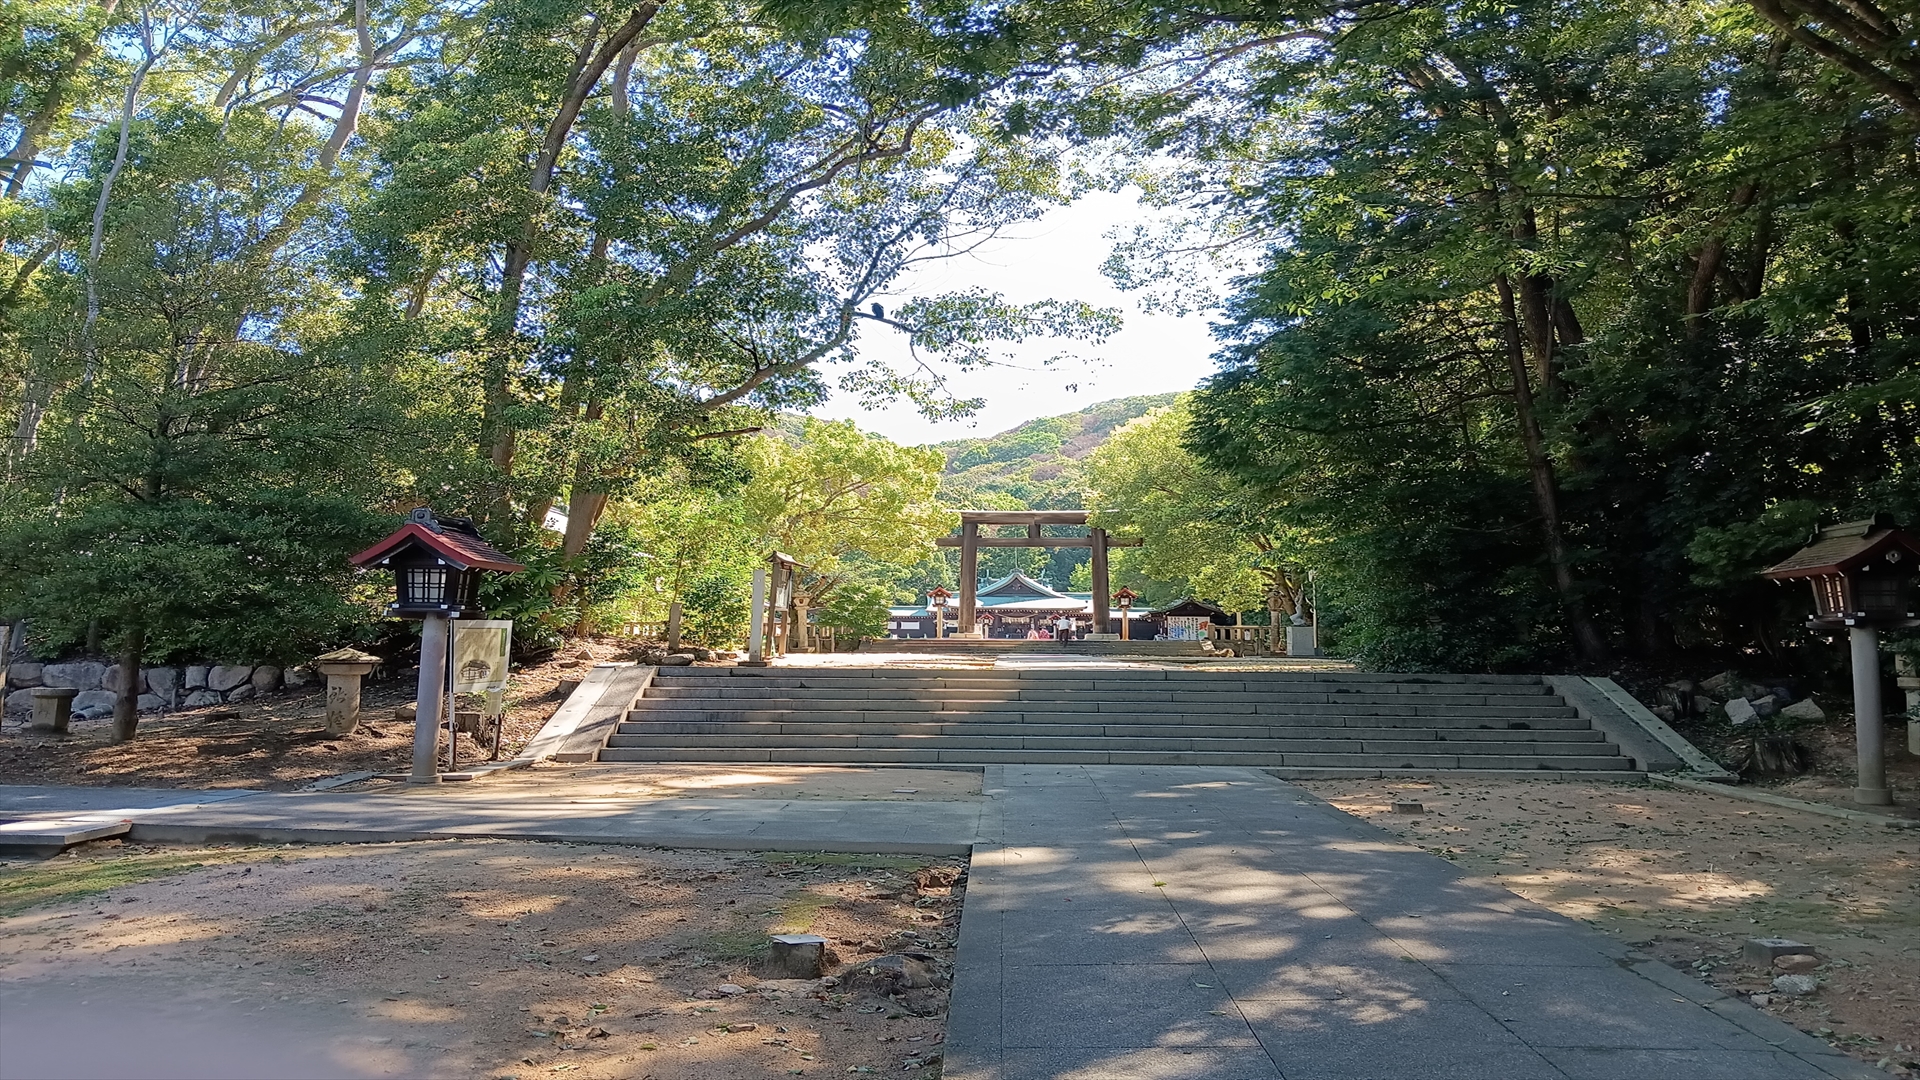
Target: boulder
1795 985
24 673
1722 685
703 655
243 692
195 678
1796 964
82 675
225 677
1741 712
163 680
1807 710
890 974
679 659
1702 705
1764 706
112 678
297 678
151 703
266 678
93 702
200 698
20 701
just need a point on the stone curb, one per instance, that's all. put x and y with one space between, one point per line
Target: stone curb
1784 802
577 730
1654 746
229 834
1775 1031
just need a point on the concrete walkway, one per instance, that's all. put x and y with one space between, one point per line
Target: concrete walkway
1174 923
520 811
1159 923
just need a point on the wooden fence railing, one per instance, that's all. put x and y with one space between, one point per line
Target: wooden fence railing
1243 638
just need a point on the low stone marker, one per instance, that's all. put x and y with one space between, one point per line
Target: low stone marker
1409 808
53 708
797 956
1762 952
344 668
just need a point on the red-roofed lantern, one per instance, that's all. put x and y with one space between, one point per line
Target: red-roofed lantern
1862 574
436 564
937 599
1125 598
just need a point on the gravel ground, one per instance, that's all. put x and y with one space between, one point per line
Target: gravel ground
1689 877
466 958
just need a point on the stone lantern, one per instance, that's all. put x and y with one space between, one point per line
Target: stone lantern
1862 575
436 564
344 668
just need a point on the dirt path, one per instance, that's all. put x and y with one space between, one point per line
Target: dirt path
483 958
1690 877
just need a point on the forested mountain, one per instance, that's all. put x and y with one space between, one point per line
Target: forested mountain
1036 466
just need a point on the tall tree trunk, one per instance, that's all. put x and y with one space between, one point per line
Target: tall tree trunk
126 699
590 63
127 107
35 126
1546 489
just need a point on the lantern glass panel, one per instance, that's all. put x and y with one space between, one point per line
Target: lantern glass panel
1829 595
1880 595
425 586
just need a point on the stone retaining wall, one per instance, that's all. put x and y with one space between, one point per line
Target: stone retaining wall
162 689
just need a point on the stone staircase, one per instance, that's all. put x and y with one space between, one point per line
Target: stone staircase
1011 646
1329 723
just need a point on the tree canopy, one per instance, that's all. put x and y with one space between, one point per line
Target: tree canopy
1548 322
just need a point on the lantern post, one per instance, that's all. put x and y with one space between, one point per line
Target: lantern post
1125 598
937 599
1862 576
436 563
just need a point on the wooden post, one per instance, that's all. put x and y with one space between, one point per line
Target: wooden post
969 576
1100 597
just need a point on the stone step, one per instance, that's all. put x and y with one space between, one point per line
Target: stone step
1104 676
1318 718
1535 765
1542 710
673 678
1086 731
1207 697
1512 748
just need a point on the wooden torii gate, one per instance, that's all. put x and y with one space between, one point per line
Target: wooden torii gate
970 542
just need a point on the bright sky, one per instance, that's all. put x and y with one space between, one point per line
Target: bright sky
1057 257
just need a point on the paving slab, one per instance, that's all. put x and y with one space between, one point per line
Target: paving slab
1175 923
531 812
